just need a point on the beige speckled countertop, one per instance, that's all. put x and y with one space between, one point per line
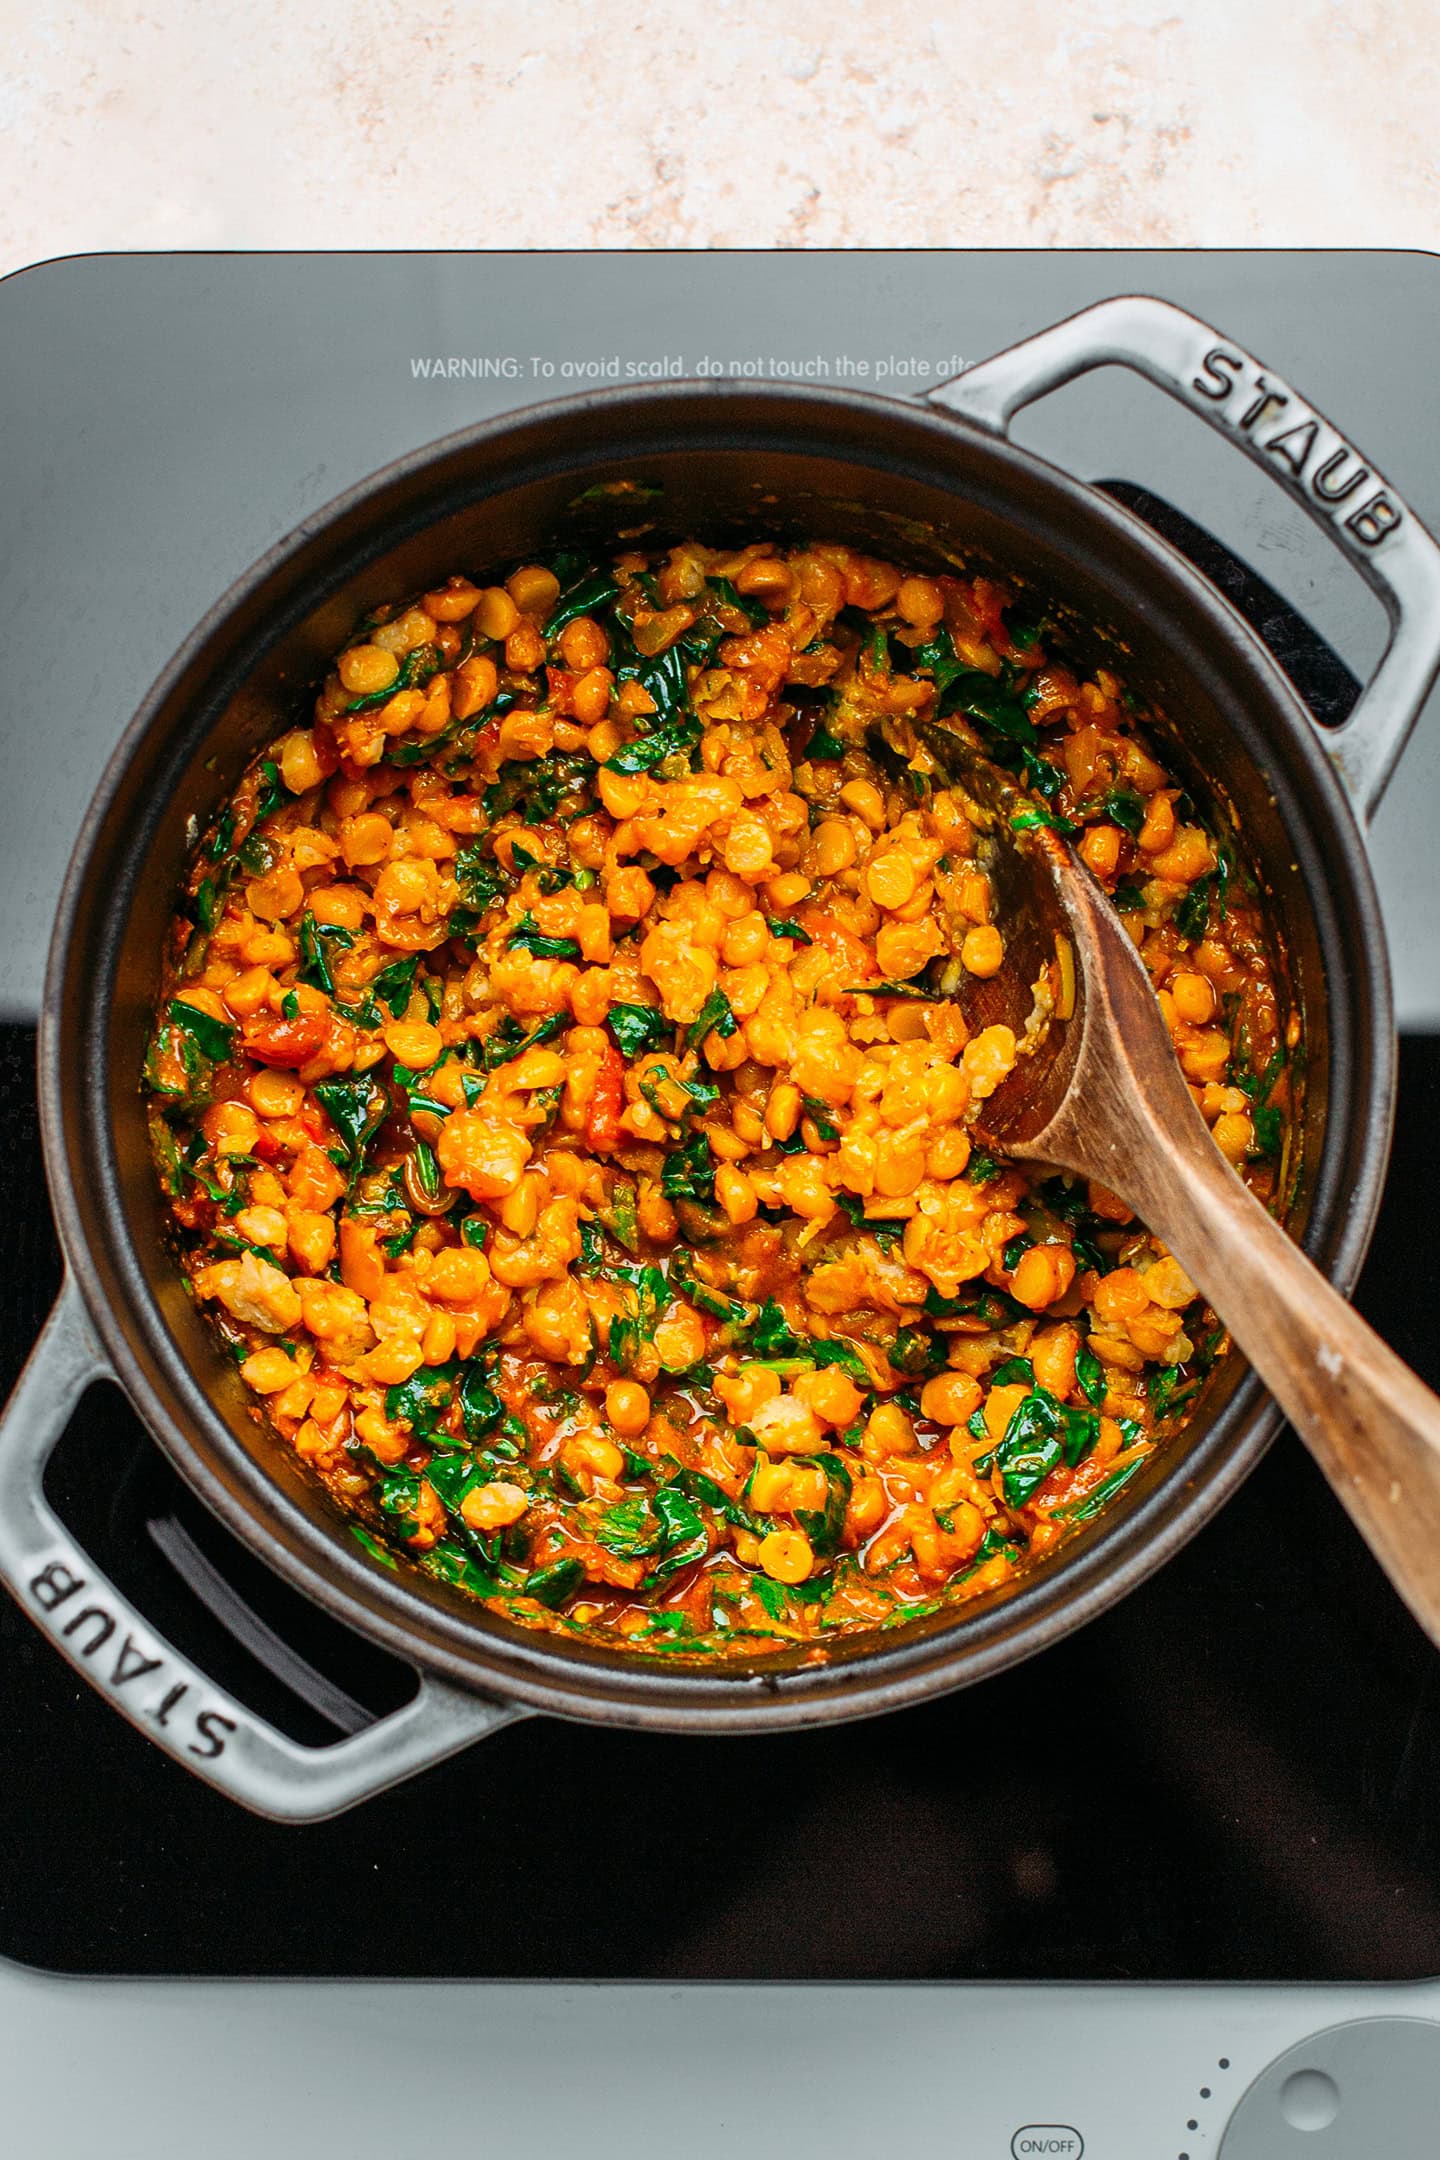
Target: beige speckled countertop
735 124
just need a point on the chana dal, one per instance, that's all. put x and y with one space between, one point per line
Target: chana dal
567 1114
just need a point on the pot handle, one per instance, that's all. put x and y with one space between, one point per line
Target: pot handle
1282 432
145 1678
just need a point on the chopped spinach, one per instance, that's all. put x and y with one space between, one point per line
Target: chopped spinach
714 1017
509 1042
315 937
1167 1387
638 1028
704 1489
917 1353
1123 807
536 787
823 1526
824 748
994 1308
421 1401
665 741
479 876
630 1529
590 593
357 1108
725 592
1027 819
1192 914
1100 1495
394 984
1090 1374
212 1038
1041 1434
270 792
481 1409
527 936
552 1585
772 1596
688 1172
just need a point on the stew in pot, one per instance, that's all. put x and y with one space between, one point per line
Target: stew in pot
567 1115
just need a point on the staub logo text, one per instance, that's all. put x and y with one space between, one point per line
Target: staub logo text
1286 431
95 1637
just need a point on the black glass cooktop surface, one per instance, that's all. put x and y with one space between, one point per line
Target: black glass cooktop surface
1233 1775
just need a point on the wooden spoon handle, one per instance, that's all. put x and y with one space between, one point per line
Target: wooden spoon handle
1370 1423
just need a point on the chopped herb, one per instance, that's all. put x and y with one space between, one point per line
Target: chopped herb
503 1046
314 958
1123 807
1026 820
554 1584
821 1116
1100 1496
714 1017
824 748
1269 1123
427 1170
527 936
777 928
536 787
271 791
725 592
372 1546
688 1172
592 592
638 1028
665 741
394 984
1041 1434
1192 914
212 1038
917 1353
421 1401
823 1526
357 1108
1090 1374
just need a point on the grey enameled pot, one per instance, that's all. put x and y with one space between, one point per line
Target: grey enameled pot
917 481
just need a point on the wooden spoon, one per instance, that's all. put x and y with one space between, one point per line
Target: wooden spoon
1101 1094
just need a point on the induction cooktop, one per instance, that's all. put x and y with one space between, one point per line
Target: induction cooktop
1231 1781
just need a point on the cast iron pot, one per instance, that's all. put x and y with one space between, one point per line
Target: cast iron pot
731 460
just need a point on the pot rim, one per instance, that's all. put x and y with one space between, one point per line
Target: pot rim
535 1667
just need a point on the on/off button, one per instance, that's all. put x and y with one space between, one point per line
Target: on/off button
1047 2141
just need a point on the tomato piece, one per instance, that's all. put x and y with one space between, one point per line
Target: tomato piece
602 1121
286 1042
